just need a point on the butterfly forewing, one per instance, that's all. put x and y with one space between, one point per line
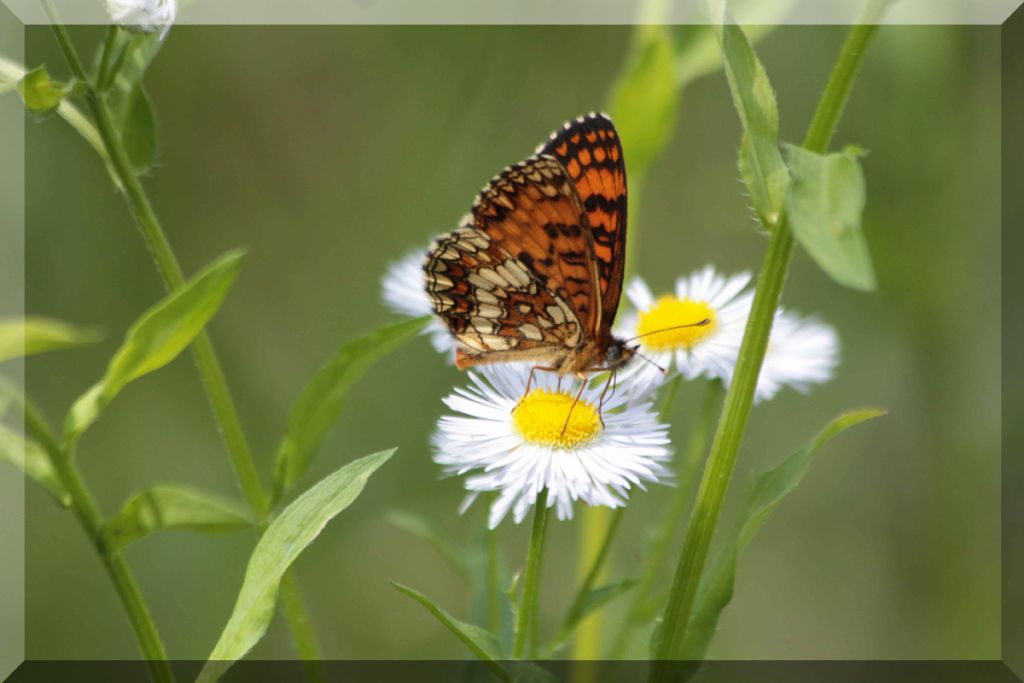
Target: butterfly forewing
591 153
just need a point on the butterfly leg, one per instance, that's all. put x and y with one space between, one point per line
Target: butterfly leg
579 394
529 380
604 394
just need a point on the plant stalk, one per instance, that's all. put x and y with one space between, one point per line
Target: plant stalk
739 398
210 370
526 616
87 512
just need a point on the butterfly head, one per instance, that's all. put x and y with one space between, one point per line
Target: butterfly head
619 353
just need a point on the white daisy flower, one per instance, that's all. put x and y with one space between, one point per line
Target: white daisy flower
148 16
801 352
517 444
405 294
666 328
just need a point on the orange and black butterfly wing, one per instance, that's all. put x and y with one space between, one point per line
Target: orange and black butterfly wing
591 153
517 276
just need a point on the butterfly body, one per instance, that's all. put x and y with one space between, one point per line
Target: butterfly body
534 272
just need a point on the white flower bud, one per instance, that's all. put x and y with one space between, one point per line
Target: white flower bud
143 15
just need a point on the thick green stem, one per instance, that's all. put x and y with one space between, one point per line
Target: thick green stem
526 615
87 512
210 370
738 400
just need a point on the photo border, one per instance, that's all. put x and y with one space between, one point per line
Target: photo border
15 15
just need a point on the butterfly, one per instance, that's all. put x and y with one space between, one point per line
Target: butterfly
534 271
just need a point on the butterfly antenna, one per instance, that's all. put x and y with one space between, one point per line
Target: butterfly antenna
664 371
702 323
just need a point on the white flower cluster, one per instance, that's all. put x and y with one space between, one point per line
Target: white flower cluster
515 432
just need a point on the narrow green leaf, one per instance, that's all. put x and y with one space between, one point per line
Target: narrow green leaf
645 99
172 507
157 338
40 93
133 63
432 533
593 601
283 541
483 644
824 206
760 162
716 586
322 400
30 458
29 336
138 130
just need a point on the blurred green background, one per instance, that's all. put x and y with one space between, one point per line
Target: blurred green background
330 151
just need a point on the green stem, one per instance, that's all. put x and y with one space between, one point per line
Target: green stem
108 51
526 615
738 400
597 527
641 609
493 589
590 650
210 370
170 271
87 512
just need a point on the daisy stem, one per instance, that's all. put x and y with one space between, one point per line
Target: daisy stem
210 370
736 410
526 616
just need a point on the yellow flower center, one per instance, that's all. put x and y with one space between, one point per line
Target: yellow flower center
664 323
550 419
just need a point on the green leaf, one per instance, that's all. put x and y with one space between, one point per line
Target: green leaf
40 93
129 104
432 533
824 206
283 541
593 601
322 400
645 99
157 338
172 507
30 458
716 586
760 162
138 130
483 644
29 336
131 66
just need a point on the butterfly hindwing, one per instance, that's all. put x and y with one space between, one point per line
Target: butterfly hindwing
590 150
518 274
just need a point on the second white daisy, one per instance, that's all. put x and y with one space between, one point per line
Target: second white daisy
517 445
801 352
667 331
